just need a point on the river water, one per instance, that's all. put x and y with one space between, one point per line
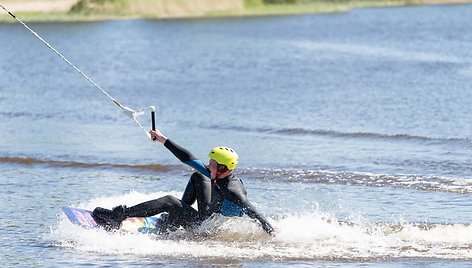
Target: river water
353 131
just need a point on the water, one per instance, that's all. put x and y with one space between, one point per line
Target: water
353 131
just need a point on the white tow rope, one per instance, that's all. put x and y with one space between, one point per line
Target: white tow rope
133 114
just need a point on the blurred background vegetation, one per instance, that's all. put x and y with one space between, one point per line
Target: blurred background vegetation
72 10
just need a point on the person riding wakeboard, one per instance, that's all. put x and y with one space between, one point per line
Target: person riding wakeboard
214 186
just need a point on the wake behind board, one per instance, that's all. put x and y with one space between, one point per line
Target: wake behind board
83 217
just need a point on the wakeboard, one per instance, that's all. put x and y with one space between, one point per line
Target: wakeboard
83 218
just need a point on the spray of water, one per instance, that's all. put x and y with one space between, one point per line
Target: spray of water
313 235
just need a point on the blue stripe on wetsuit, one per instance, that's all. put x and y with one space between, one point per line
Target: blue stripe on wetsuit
228 208
199 166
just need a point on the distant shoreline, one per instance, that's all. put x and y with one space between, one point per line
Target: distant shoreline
60 10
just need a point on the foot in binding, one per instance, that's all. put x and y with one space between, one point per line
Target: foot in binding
109 219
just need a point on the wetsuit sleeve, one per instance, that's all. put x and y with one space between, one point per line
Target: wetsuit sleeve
238 196
186 157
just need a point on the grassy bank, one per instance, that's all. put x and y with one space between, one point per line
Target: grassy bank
85 10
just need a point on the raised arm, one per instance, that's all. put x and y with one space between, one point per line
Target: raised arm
181 153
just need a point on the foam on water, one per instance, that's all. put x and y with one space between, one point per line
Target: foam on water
312 235
409 181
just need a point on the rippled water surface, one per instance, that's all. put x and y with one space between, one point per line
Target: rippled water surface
353 131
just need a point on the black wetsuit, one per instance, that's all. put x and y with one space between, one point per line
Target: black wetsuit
210 195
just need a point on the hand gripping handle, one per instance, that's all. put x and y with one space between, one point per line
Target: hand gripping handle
153 120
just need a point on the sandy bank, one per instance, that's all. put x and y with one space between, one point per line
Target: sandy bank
33 6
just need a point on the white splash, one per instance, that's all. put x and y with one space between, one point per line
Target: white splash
313 235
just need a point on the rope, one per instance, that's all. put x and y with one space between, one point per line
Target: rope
130 112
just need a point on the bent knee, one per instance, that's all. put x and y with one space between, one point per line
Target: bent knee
170 200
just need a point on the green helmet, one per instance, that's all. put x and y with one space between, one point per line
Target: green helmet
224 156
